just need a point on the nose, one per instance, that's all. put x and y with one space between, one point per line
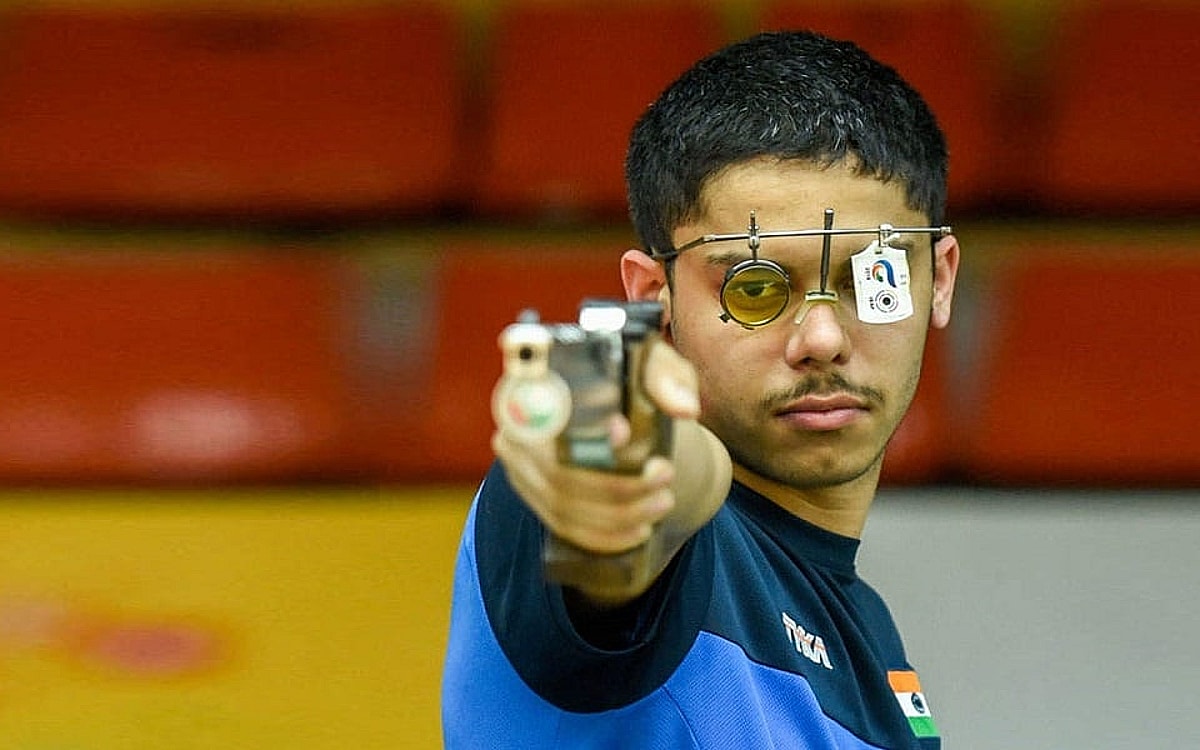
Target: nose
817 335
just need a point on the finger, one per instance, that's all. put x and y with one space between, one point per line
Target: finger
528 468
658 472
619 431
612 541
608 528
601 511
671 382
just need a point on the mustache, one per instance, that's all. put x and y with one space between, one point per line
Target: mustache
827 384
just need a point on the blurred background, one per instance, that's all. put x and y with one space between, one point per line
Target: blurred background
254 257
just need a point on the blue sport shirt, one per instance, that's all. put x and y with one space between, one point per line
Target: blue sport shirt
759 635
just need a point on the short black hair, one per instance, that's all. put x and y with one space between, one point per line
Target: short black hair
785 94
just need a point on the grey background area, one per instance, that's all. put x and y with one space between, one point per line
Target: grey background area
1046 620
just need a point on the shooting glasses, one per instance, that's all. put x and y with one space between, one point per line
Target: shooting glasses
756 291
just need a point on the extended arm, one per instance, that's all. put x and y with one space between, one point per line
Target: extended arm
612 534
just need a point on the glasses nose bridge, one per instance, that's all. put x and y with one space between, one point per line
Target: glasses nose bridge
818 331
825 304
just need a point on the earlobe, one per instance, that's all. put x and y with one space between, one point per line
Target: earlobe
945 272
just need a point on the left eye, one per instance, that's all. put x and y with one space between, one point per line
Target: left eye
758 288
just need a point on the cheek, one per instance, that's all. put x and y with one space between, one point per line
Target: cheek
730 364
897 359
700 338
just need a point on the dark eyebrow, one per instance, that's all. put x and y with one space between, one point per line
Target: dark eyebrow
727 257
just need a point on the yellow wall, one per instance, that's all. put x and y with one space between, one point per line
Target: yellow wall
225 620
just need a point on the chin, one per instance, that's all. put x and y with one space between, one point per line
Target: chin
818 473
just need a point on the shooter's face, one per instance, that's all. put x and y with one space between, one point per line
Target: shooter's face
811 398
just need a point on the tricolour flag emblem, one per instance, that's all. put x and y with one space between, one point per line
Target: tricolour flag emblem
912 701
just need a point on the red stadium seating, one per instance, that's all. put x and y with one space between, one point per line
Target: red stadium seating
1120 125
565 84
235 364
194 112
947 51
219 365
1089 369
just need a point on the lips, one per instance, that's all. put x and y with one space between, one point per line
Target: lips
823 412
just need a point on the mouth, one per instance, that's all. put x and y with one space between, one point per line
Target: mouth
823 413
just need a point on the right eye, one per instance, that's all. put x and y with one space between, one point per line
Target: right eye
755 295
757 288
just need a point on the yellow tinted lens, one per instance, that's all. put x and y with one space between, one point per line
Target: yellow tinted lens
755 295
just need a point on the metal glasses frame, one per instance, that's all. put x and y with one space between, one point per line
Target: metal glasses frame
754 236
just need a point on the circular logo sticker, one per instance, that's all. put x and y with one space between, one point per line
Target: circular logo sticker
532 409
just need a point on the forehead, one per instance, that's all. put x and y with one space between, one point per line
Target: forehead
794 195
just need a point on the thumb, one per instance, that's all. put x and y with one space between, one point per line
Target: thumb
671 382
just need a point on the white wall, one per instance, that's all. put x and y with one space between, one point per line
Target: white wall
1047 620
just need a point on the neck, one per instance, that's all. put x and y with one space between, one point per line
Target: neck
841 509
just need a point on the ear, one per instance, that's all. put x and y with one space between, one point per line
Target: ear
945 272
646 279
643 276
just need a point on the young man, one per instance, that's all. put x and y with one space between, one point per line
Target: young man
788 192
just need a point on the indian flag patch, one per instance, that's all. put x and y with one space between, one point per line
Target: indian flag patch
907 688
